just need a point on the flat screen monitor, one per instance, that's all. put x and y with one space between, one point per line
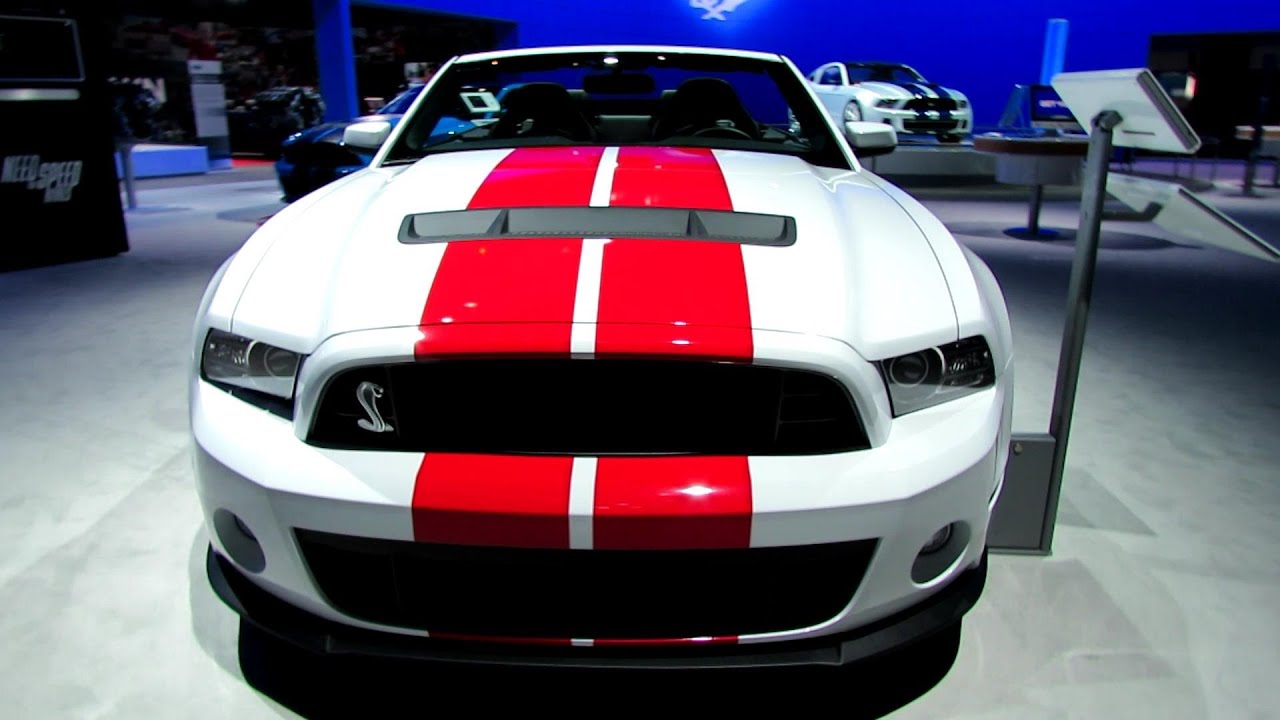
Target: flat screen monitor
34 49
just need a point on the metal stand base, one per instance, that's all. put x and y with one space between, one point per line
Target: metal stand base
1040 233
1028 507
1017 523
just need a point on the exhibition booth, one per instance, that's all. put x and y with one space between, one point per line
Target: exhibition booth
530 353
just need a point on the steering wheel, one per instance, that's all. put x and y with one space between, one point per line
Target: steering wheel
723 131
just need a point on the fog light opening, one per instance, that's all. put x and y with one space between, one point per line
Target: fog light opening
937 542
940 553
238 541
244 528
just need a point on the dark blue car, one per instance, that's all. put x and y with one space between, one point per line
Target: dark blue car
316 156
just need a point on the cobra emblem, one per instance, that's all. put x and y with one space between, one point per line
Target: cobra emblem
367 394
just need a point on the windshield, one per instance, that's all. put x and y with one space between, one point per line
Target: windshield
882 73
620 98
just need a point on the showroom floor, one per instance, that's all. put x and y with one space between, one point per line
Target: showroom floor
1160 600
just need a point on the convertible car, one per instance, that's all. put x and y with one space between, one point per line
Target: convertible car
893 94
640 368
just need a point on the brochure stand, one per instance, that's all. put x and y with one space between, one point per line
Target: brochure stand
1125 108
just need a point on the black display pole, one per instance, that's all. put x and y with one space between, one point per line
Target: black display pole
1255 147
1033 214
1079 296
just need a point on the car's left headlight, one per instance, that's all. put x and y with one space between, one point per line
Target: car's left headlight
962 104
929 377
253 365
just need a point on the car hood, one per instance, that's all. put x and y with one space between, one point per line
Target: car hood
860 270
907 90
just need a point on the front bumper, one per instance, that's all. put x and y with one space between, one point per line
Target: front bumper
937 467
321 636
909 122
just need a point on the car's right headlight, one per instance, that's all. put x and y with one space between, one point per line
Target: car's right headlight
887 103
930 377
253 365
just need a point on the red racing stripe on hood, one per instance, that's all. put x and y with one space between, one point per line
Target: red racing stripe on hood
672 297
528 284
500 296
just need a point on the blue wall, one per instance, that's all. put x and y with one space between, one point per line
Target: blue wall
981 48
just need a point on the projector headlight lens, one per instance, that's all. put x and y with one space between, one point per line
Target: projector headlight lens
250 364
930 377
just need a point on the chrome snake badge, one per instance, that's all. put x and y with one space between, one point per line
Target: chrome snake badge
368 393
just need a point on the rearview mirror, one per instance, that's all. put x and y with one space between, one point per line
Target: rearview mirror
870 139
368 135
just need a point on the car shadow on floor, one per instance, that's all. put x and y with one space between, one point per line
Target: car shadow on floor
342 687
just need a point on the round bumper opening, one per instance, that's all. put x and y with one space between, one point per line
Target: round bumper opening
239 541
940 552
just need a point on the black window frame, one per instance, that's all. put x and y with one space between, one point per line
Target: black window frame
825 149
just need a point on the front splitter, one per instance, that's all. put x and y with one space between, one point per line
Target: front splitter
325 637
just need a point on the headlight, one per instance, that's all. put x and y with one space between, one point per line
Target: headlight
962 104
886 103
250 364
930 377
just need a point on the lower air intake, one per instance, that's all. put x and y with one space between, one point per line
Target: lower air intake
594 594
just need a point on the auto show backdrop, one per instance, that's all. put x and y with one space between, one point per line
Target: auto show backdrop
981 48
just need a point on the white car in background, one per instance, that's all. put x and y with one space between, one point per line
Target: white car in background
893 94
644 369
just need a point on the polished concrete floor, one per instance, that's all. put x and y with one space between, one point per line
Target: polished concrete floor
1161 600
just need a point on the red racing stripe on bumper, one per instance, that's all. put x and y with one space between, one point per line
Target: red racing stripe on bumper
498 500
691 297
672 503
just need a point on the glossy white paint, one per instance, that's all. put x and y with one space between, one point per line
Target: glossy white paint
861 272
872 275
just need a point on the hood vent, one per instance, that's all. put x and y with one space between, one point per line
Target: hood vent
599 222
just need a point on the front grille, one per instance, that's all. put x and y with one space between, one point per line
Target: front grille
584 593
929 125
590 407
925 104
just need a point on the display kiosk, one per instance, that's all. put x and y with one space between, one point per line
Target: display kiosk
57 169
1124 108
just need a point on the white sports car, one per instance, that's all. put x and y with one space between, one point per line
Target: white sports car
635 371
893 94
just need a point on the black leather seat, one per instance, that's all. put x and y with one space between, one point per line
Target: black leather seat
701 104
542 109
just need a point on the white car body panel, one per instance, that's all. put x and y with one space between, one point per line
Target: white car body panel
872 275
